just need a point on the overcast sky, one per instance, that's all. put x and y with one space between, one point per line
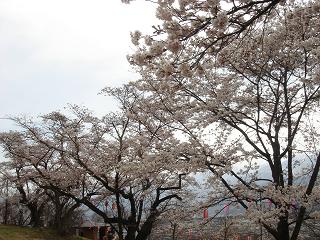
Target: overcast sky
55 52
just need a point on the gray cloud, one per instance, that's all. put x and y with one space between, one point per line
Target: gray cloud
57 52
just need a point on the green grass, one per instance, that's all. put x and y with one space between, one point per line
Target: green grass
26 233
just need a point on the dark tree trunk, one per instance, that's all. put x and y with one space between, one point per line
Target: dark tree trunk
36 214
174 231
21 219
147 226
6 212
132 228
131 234
283 229
60 223
63 216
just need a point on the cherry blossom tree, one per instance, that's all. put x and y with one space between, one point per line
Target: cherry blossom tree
15 174
193 30
12 211
20 172
117 167
240 83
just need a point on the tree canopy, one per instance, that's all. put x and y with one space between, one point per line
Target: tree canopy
241 80
227 88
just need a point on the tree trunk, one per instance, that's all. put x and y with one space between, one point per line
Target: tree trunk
146 228
132 229
131 234
60 223
283 229
174 231
35 214
6 212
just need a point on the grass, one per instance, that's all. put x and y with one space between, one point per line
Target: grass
25 233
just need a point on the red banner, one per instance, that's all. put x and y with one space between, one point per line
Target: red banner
205 213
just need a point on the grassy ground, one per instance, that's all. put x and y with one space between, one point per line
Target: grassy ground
26 233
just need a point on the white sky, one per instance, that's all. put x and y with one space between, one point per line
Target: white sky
55 52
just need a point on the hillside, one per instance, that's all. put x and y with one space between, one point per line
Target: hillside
25 233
